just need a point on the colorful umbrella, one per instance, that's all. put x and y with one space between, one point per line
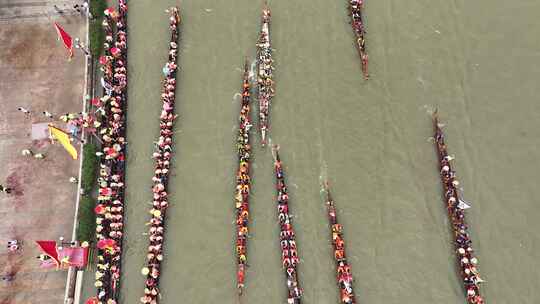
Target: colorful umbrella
100 209
106 243
115 51
92 300
95 102
103 60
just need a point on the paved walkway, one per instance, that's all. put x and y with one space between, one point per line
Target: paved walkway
35 75
31 10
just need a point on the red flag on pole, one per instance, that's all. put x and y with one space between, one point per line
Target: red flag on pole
49 248
68 42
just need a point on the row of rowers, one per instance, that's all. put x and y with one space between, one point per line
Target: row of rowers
456 210
344 274
162 157
264 75
112 159
243 181
289 254
357 23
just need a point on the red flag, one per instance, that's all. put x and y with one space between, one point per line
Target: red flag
68 42
49 248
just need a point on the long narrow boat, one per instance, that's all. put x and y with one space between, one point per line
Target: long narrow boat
243 182
264 74
355 11
289 254
343 269
466 260
162 156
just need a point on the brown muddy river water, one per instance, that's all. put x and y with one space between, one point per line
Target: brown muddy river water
477 61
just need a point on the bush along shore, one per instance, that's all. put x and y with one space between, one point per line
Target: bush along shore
96 34
87 218
86 226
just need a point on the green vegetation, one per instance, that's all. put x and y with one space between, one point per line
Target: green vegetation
96 34
89 167
87 218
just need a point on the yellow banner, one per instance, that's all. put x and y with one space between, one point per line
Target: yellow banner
63 138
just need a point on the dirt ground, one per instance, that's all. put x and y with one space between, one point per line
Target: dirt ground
36 75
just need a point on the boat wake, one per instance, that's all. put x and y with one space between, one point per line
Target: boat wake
269 141
323 177
430 110
236 96
252 71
